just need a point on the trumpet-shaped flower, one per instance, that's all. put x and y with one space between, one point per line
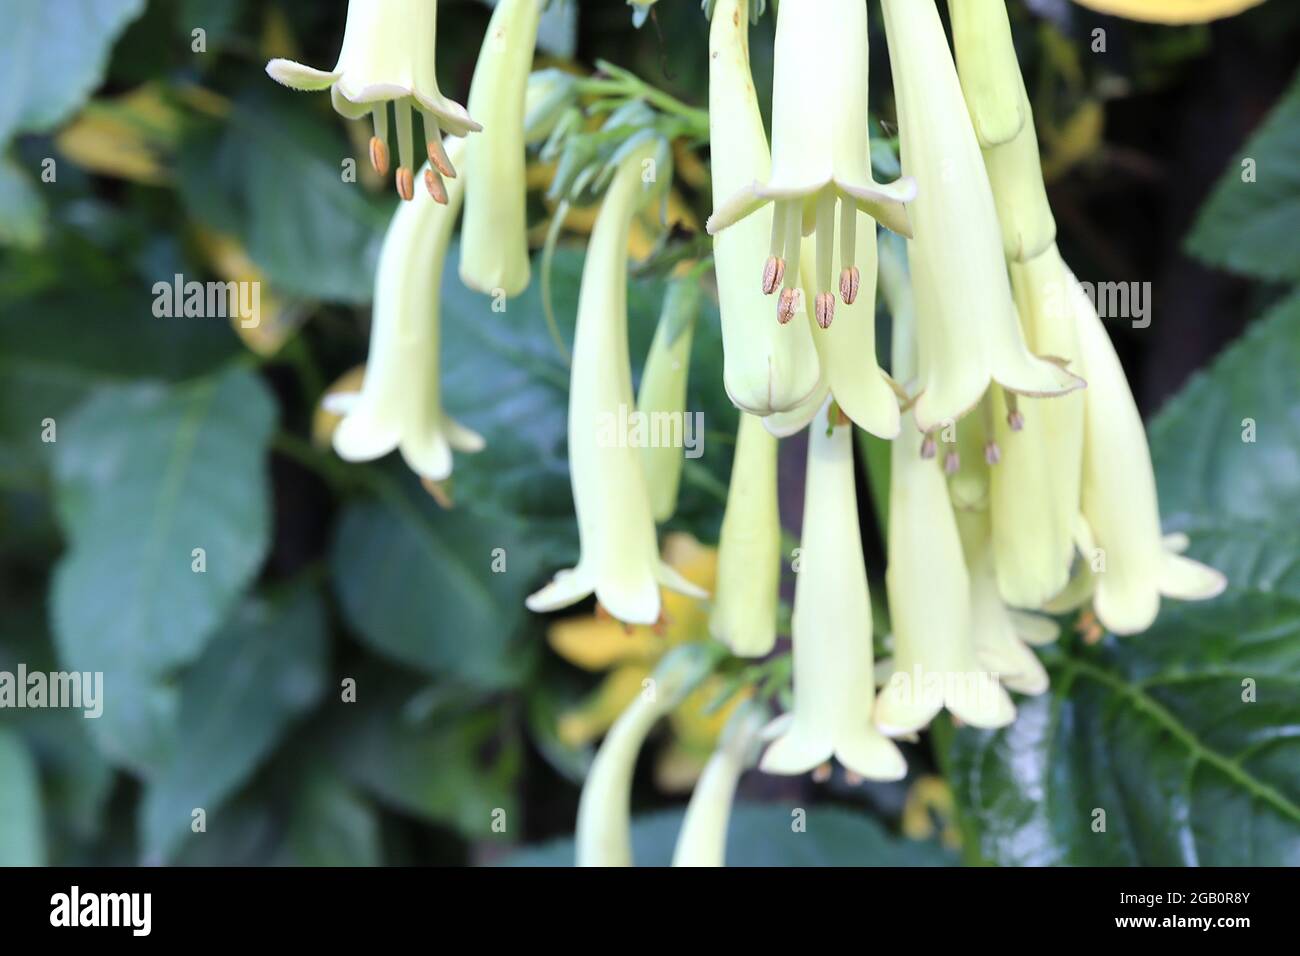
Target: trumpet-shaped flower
400 404
388 56
663 393
749 549
604 836
703 837
831 626
967 330
768 367
821 170
494 241
1001 635
847 350
1119 533
620 559
929 590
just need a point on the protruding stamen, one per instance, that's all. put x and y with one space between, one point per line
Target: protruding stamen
380 115
853 778
379 155
437 189
992 453
788 304
405 182
433 143
849 250
928 447
792 214
773 273
951 462
405 149
825 253
850 281
822 773
825 306
1015 419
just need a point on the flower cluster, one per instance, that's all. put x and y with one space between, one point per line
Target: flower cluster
1020 482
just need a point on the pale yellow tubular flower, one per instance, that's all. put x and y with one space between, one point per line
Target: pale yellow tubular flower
981 35
831 627
400 404
662 396
703 837
935 665
494 236
388 56
1119 533
847 349
768 367
1036 484
928 589
784 424
1000 635
749 548
604 833
1016 174
967 332
620 557
821 168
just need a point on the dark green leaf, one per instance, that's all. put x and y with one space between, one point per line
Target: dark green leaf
22 828
1250 227
52 56
262 671
1158 730
765 835
272 176
22 211
333 825
145 474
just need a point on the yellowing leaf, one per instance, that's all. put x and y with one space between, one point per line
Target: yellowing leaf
123 137
1170 11
276 321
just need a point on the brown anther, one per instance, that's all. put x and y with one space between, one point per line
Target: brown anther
928 447
825 304
379 155
405 183
787 306
437 189
992 453
850 282
773 273
951 462
853 778
1089 627
438 157
1016 420
822 773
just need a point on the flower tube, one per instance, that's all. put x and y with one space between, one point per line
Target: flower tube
662 397
968 335
749 549
619 554
821 170
388 56
400 403
768 367
981 37
604 833
831 626
703 837
1119 533
494 240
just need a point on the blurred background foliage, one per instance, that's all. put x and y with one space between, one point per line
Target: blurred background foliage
226 690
